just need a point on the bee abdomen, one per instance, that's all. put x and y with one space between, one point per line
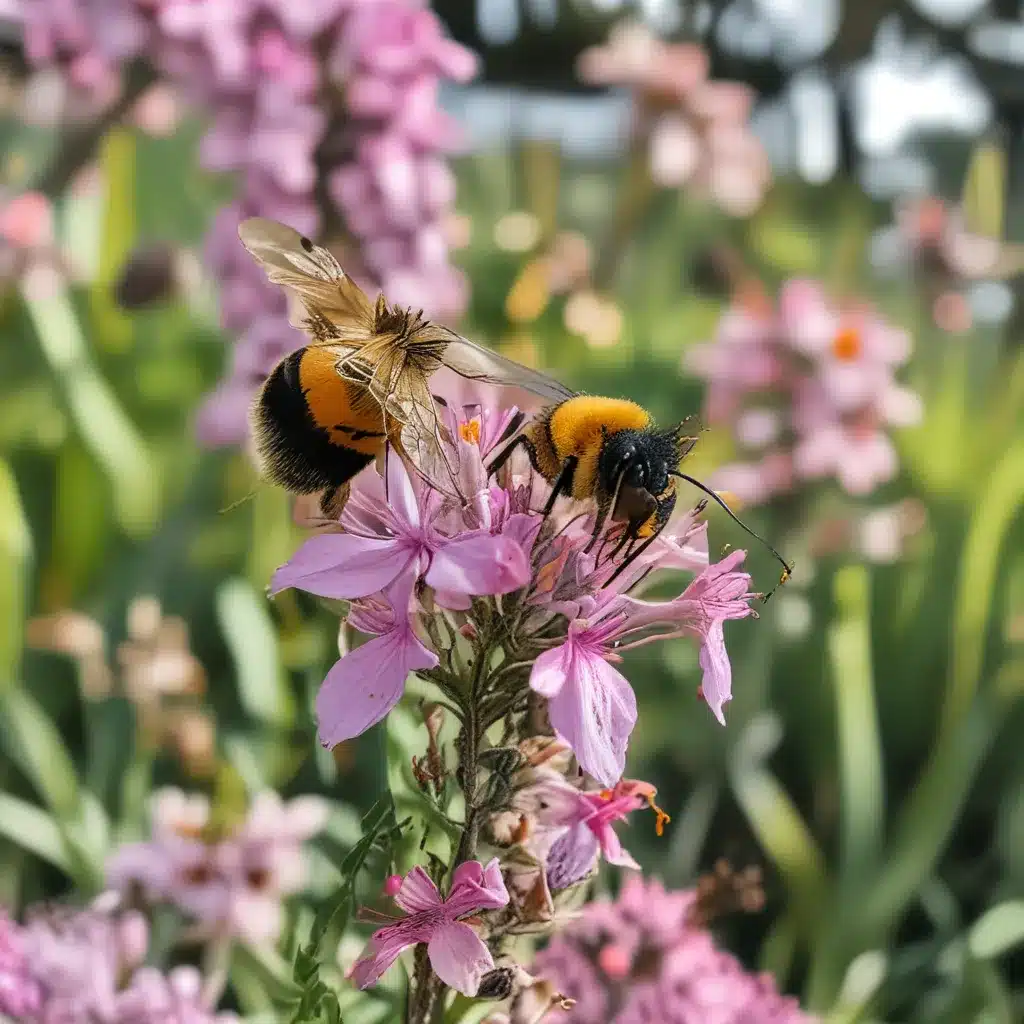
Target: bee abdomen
294 451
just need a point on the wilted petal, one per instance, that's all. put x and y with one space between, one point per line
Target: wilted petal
342 565
367 683
595 711
459 957
571 857
479 564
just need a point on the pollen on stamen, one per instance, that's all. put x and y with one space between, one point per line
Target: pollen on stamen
470 431
662 818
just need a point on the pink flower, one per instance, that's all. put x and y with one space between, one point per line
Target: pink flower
385 539
718 594
590 704
584 820
457 954
368 682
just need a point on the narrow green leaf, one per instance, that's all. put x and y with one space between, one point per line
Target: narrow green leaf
860 750
997 931
783 834
34 743
112 326
15 555
252 639
995 510
34 830
103 425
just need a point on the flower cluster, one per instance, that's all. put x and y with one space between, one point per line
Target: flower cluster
647 958
232 880
87 965
328 112
412 561
697 130
809 390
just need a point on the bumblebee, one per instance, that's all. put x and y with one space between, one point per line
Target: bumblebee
362 383
609 450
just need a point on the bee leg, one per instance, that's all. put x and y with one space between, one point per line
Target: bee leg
562 483
602 517
632 556
332 501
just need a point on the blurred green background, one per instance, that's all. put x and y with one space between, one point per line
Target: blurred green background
872 764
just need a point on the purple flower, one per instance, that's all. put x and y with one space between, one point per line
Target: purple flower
393 537
583 820
718 594
368 682
457 954
809 389
591 704
233 883
20 993
644 958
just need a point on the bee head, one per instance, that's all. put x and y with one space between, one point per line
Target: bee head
640 459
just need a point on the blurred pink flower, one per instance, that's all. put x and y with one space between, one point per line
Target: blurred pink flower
230 883
645 958
21 995
810 388
457 954
697 130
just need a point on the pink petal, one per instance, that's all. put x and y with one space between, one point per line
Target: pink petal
342 565
418 892
459 957
384 948
475 887
400 493
367 683
551 670
716 684
595 712
612 848
480 564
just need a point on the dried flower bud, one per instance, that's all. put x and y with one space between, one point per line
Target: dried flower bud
497 984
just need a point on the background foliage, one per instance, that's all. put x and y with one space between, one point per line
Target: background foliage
872 761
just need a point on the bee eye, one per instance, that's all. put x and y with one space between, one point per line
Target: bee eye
636 475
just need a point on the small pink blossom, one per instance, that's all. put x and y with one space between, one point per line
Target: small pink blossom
457 954
718 594
583 820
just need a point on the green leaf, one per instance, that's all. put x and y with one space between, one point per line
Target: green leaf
34 830
997 931
782 832
995 511
15 556
113 327
252 639
860 752
34 743
101 422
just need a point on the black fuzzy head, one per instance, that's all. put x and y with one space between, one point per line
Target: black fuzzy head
642 458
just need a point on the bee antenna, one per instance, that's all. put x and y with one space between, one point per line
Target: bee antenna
787 569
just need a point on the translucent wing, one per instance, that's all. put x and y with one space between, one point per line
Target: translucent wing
474 362
323 300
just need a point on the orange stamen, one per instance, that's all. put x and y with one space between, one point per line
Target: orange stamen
662 820
606 794
846 345
470 431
